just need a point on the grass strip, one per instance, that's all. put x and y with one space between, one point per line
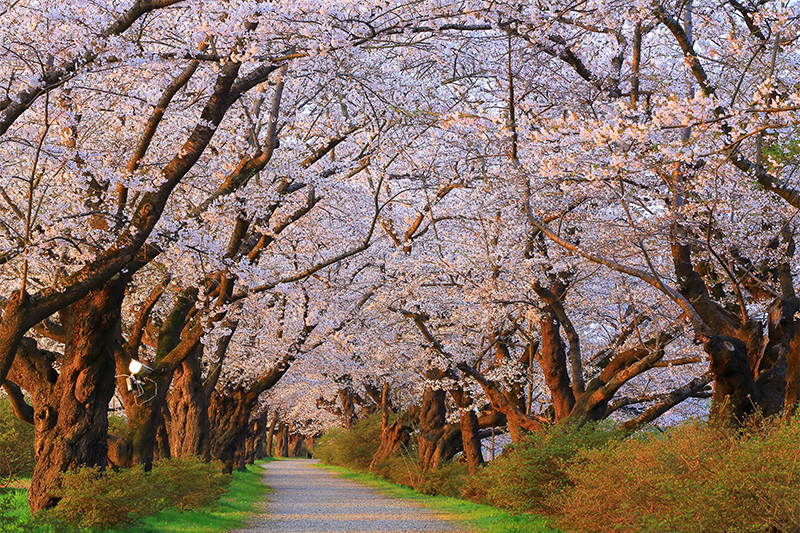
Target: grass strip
241 501
479 518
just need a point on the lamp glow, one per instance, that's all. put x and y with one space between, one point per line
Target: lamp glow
135 367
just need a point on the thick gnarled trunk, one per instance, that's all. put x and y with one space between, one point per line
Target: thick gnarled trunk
552 358
470 430
71 406
432 423
188 406
229 416
395 436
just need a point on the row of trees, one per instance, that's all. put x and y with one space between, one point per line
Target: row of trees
507 215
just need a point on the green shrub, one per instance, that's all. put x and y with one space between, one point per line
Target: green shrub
529 473
694 479
353 448
17 458
90 497
402 469
188 483
117 425
447 480
104 499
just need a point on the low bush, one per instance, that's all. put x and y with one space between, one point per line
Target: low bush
693 479
529 474
352 448
91 498
188 483
16 445
447 480
356 447
401 469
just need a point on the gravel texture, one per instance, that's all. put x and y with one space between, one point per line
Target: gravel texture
307 499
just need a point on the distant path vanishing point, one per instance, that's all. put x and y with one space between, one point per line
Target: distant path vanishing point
306 499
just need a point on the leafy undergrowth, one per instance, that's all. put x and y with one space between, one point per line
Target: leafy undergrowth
240 501
482 518
694 478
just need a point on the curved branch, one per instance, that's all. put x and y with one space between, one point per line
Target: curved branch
55 76
19 406
697 322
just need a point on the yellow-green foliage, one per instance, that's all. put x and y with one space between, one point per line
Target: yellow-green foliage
353 448
695 478
94 498
528 474
16 445
105 499
188 483
356 447
447 480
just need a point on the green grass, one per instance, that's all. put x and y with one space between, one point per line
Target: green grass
479 518
240 502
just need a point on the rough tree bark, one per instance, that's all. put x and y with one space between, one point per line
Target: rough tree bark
470 430
188 407
283 440
145 413
552 358
395 436
432 424
271 435
71 405
229 413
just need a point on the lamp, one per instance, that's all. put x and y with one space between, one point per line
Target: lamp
137 380
136 366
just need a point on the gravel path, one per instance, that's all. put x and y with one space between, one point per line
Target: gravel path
307 499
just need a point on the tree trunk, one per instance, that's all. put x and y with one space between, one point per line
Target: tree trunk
270 435
283 450
258 437
792 372
161 450
188 407
296 445
146 411
552 358
348 408
432 427
470 437
735 392
229 415
146 418
71 407
395 436
784 346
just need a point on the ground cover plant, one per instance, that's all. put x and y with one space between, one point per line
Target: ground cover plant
353 448
693 478
90 497
16 445
531 475
202 501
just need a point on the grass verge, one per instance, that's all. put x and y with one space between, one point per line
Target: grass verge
480 518
241 501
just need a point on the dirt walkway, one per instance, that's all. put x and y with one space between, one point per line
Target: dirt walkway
307 499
